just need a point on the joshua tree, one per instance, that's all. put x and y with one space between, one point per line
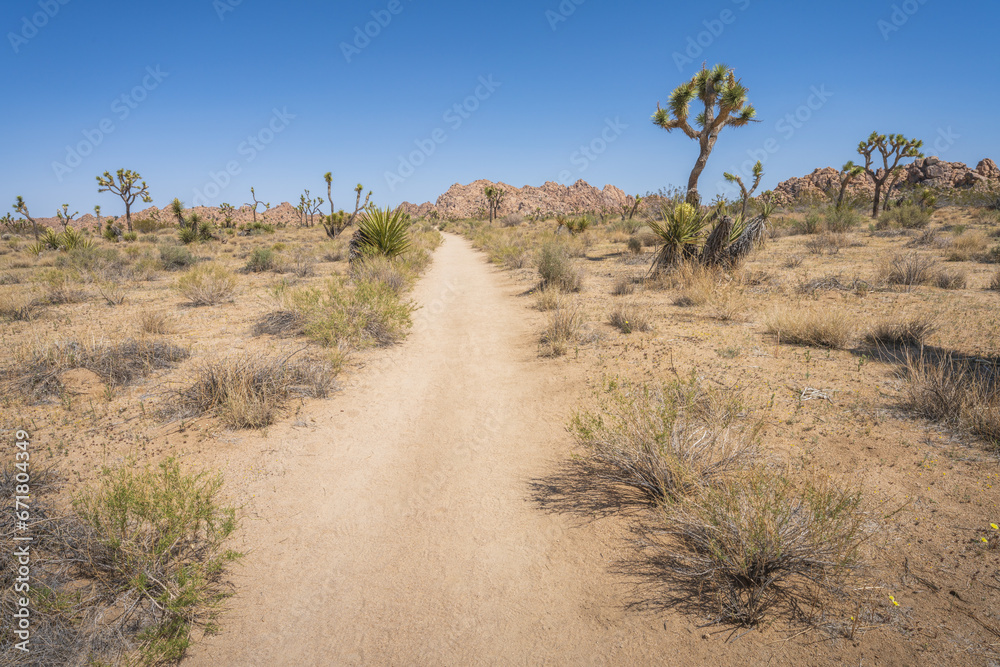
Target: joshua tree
848 173
328 177
256 203
338 222
630 206
308 208
97 212
177 208
758 173
227 211
65 217
129 187
22 208
892 149
725 100
494 199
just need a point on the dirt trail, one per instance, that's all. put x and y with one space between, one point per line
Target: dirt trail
402 529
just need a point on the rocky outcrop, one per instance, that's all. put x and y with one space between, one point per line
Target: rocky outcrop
930 172
464 201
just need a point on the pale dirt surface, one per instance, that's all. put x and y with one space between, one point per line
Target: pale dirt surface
402 526
402 529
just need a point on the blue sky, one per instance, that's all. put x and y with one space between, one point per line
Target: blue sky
208 97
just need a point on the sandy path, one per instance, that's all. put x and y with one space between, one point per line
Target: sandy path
402 530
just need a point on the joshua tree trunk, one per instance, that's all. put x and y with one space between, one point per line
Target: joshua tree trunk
699 166
878 198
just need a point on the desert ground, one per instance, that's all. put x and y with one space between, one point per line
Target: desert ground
422 483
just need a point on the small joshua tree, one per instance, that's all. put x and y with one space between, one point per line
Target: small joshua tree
494 199
227 211
338 222
848 173
129 187
758 173
725 100
65 217
256 203
22 208
892 149
100 222
630 206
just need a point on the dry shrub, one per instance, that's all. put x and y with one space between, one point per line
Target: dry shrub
18 306
284 323
826 243
947 279
555 268
562 330
624 285
634 245
668 441
995 281
382 270
36 373
793 262
627 317
967 246
727 303
746 546
123 576
207 285
695 283
548 298
892 331
811 325
963 393
155 322
248 390
909 269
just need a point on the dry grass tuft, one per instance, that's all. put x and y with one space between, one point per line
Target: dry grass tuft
746 546
624 285
37 373
18 306
207 285
995 281
668 441
952 279
909 269
966 246
563 329
627 317
811 325
890 331
548 298
248 390
555 268
963 393
155 322
284 323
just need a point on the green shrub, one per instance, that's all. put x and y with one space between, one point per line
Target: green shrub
187 235
810 224
843 219
261 259
556 268
906 216
131 237
351 317
634 245
175 258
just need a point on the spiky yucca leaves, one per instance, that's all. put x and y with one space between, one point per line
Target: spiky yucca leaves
680 231
713 252
380 232
751 235
725 105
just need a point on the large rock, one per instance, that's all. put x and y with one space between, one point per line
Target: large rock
464 201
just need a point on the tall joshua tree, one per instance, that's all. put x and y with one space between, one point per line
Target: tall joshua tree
494 199
725 100
891 149
129 187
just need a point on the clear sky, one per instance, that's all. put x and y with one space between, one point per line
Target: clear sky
208 97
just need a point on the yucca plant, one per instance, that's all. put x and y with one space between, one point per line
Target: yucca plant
680 231
187 235
380 232
50 239
71 239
